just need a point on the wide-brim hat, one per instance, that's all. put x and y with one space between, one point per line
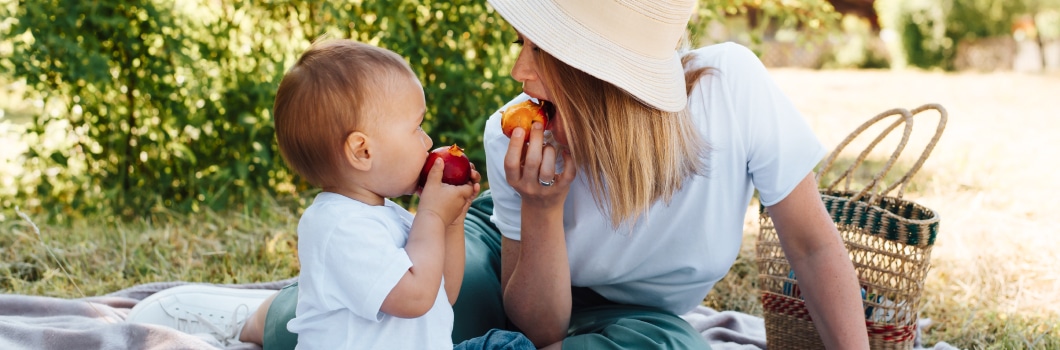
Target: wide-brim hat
629 43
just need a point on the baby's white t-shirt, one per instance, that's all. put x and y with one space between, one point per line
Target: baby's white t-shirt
674 254
352 255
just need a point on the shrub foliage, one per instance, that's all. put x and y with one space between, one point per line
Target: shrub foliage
166 106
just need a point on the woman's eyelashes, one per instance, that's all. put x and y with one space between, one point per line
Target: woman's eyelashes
520 42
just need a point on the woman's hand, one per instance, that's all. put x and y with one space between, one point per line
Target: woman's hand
530 168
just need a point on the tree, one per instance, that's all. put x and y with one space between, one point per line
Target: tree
167 106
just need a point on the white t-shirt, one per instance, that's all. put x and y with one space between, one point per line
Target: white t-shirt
675 254
352 255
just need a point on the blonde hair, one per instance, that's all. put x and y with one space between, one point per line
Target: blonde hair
650 153
330 92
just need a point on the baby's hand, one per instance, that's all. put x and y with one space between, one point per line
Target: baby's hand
448 202
475 179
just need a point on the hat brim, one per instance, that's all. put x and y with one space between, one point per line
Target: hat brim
657 82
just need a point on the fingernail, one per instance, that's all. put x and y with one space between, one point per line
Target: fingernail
518 132
538 126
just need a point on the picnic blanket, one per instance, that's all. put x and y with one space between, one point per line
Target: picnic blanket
37 322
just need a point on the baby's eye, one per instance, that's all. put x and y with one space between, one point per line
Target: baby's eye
518 41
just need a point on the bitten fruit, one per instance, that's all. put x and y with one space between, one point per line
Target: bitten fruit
457 167
522 115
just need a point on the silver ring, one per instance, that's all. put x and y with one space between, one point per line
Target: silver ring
546 183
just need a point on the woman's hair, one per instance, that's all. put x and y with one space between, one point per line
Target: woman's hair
633 153
329 93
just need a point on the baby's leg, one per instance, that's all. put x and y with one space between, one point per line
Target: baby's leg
254 329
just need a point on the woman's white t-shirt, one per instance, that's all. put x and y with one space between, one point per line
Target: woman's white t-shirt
674 254
352 255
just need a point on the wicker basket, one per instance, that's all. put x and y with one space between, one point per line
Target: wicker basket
889 240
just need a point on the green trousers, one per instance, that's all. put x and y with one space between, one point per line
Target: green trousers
596 323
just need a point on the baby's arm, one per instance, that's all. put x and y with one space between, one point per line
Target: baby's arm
440 205
415 293
454 245
454 259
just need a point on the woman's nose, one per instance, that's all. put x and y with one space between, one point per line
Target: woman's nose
523 70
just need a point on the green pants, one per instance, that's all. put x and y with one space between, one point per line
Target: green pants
596 323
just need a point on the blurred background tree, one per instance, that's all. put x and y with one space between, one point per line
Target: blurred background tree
149 106
931 30
166 106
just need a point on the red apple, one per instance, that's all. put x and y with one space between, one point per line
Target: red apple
457 167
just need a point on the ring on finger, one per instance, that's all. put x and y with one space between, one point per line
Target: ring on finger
546 183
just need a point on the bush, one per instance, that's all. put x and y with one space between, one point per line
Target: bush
167 106
152 106
931 30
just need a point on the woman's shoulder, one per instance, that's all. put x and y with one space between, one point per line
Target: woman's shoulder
724 56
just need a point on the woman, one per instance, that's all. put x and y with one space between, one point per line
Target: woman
662 153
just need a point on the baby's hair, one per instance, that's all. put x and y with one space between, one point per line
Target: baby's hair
331 92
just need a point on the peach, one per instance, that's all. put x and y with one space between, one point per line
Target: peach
522 115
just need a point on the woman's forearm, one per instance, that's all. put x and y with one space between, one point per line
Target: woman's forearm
826 275
537 294
830 286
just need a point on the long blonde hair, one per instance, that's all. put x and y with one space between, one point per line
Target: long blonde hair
631 153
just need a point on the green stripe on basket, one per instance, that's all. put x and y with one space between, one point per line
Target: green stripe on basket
914 234
892 229
876 220
888 220
933 231
861 219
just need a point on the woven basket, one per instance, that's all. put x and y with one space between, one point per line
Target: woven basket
889 240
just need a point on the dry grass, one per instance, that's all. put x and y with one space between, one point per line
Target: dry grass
995 274
93 258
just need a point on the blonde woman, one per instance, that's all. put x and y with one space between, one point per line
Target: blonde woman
660 162
599 233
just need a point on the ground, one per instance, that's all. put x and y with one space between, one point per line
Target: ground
992 177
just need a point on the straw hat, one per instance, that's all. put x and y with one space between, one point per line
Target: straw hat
629 43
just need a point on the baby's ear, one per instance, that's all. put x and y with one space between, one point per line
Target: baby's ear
358 151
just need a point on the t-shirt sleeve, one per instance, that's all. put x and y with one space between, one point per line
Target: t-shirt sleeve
506 202
782 148
365 263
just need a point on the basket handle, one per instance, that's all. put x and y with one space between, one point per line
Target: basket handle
907 119
900 184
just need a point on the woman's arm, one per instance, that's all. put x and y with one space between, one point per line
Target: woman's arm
535 272
826 276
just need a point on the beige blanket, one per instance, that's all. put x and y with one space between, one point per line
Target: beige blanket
34 322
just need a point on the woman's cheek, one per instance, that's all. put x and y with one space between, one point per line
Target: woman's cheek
559 131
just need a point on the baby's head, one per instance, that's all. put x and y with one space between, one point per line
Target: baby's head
336 107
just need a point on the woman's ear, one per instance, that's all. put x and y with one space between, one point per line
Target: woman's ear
358 151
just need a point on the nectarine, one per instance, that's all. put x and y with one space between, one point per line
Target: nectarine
457 167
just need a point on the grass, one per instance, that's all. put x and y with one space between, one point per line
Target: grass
993 283
99 259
